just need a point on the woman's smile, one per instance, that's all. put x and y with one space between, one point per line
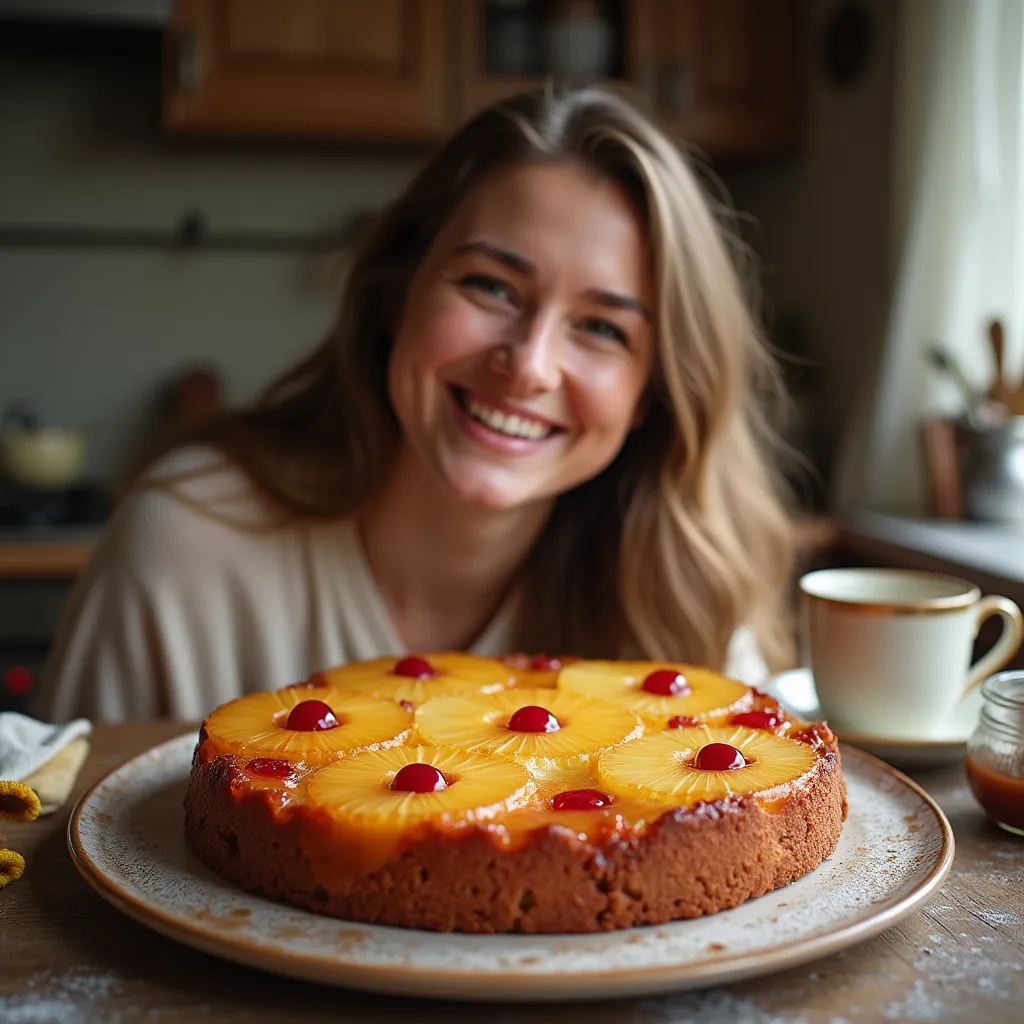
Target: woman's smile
500 426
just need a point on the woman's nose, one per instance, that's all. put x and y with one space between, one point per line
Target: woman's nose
533 355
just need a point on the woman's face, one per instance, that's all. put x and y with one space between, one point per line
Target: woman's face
526 342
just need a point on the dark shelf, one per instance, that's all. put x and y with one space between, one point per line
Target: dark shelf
191 235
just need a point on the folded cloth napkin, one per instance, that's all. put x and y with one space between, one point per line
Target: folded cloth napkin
41 757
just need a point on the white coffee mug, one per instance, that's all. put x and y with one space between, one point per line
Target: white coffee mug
890 649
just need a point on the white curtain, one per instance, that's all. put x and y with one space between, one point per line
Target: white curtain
959 235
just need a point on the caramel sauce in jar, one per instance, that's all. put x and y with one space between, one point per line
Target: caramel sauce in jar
995 752
1001 795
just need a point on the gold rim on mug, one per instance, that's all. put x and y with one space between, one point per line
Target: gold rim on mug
969 595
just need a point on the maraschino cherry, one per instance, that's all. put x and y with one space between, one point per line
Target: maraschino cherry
680 722
542 663
419 778
311 716
718 757
666 682
532 718
271 768
580 800
756 719
414 667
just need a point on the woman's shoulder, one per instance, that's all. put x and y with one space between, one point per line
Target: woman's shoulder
194 501
198 473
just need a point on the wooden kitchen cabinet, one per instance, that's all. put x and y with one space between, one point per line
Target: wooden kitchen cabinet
724 75
361 69
475 85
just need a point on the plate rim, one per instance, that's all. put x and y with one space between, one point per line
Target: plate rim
521 986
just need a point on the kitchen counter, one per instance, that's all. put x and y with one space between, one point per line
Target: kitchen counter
989 554
68 955
46 551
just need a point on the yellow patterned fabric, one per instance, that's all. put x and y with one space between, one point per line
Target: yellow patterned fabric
11 867
18 802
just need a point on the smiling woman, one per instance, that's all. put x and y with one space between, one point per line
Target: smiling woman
534 426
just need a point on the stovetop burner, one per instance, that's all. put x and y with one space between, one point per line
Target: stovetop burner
85 504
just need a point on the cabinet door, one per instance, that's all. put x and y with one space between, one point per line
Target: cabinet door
476 85
318 68
723 74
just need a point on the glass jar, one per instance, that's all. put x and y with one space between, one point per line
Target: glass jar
995 751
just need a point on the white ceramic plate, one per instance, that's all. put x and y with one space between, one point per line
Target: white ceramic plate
795 689
126 838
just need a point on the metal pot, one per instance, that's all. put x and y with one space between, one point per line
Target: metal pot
48 458
994 473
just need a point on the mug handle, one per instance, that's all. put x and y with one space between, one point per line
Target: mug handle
1005 647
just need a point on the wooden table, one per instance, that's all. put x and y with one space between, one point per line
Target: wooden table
66 955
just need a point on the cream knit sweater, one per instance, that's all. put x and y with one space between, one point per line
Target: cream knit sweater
193 599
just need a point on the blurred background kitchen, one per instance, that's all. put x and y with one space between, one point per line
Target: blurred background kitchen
182 180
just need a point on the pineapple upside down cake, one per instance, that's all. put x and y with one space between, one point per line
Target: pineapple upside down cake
454 792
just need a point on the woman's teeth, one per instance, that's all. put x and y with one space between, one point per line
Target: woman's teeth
509 425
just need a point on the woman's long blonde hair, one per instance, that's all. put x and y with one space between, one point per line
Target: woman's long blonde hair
685 535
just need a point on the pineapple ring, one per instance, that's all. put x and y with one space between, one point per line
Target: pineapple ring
357 788
457 673
254 725
478 724
538 672
620 682
659 766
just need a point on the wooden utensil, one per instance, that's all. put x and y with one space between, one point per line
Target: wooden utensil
1015 397
1016 400
999 391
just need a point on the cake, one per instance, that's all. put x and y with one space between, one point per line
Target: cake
527 794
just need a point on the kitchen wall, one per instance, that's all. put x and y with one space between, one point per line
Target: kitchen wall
90 335
822 225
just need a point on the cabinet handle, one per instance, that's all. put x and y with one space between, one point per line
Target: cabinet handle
188 62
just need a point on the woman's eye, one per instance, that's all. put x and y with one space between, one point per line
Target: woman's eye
492 287
605 329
